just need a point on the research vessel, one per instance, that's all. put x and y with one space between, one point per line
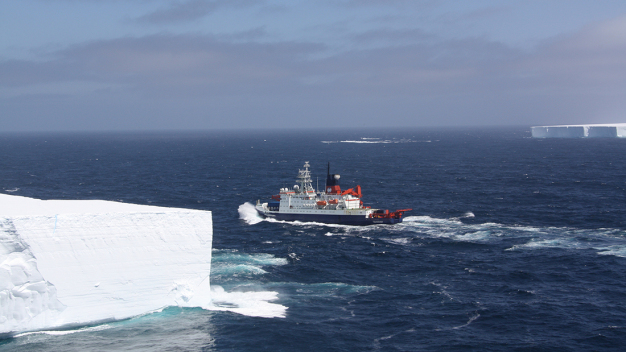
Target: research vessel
331 206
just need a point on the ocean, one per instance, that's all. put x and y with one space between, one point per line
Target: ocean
512 243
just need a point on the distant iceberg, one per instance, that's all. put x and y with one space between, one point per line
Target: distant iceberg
580 131
65 262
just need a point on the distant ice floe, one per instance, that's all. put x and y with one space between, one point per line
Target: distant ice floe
367 140
580 131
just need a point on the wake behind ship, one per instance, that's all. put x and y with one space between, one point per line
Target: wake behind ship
332 206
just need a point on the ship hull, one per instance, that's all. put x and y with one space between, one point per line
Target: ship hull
329 218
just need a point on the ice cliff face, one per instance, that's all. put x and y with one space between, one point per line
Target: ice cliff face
580 131
73 262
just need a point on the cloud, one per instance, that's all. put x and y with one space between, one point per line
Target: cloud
592 60
183 11
196 81
390 3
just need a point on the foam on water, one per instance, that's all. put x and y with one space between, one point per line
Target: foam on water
239 269
221 255
564 243
329 289
66 332
617 250
228 264
606 241
604 245
400 240
473 236
250 296
248 213
250 303
237 272
416 220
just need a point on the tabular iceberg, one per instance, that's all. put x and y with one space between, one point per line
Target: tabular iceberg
580 131
65 262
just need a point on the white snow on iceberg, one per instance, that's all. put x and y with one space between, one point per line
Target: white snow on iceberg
65 262
580 131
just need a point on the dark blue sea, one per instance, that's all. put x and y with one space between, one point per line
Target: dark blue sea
513 243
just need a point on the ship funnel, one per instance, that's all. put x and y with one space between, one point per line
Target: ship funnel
332 182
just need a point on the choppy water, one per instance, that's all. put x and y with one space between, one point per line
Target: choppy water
513 243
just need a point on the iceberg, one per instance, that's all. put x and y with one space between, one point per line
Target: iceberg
580 131
72 262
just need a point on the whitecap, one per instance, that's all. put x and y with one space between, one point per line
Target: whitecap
473 236
250 303
237 269
256 258
400 241
617 250
66 332
563 243
248 213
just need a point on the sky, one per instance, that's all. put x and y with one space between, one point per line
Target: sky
132 65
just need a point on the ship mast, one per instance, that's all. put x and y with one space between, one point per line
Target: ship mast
304 179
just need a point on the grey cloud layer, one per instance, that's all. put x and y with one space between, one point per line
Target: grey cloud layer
190 10
208 82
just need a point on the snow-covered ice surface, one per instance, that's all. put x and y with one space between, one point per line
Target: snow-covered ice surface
580 131
65 262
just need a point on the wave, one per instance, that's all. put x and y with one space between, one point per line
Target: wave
257 258
250 303
248 213
604 241
231 263
236 286
327 289
616 250
251 295
66 332
240 269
